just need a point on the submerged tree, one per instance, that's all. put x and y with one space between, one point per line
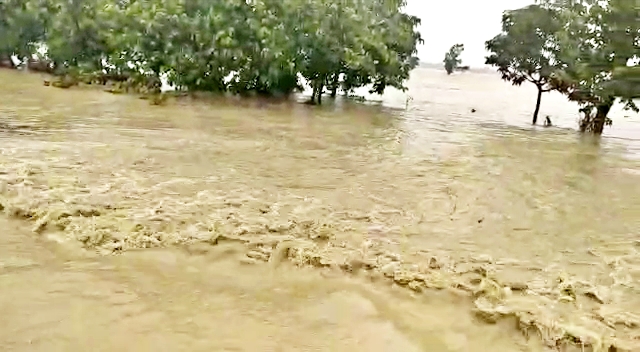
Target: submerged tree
364 43
77 36
597 44
237 46
452 58
526 49
22 25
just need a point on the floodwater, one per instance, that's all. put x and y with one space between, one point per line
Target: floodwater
407 225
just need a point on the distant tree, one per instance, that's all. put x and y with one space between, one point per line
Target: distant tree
452 58
526 48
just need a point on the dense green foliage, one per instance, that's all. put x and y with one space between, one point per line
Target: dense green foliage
597 43
238 46
525 51
581 48
452 58
22 23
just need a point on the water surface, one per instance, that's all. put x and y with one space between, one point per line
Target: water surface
477 216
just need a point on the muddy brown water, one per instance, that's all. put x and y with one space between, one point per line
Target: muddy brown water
407 225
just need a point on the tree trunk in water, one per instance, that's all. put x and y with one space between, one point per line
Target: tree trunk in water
334 85
320 94
594 123
315 92
601 117
320 85
6 62
334 91
537 110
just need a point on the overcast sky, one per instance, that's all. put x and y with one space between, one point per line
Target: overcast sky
470 22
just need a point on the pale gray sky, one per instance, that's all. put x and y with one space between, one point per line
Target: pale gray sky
470 22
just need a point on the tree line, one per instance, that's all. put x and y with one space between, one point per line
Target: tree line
237 46
580 48
584 49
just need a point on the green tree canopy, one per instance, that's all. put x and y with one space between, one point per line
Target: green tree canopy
238 46
597 43
526 49
452 58
22 24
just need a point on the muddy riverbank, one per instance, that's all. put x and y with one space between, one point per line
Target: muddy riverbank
528 226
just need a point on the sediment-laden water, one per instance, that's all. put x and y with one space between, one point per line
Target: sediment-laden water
240 225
